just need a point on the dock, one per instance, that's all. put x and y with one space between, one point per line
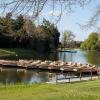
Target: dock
59 66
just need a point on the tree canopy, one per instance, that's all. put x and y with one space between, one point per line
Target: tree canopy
22 32
92 42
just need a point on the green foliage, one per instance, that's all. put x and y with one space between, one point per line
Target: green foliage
52 34
91 42
23 33
19 22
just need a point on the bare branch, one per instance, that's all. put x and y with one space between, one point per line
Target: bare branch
36 6
93 21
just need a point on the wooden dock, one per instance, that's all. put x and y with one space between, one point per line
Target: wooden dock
59 67
50 66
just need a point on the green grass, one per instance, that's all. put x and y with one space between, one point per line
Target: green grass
10 53
4 52
76 91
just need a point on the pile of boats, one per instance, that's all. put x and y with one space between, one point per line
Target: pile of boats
51 65
57 65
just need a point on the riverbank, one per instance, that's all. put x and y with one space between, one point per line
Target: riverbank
14 52
21 53
76 91
18 53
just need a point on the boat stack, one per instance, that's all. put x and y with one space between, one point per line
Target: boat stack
58 65
51 65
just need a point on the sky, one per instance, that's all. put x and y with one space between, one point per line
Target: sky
72 20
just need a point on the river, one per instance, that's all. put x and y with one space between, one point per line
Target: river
13 76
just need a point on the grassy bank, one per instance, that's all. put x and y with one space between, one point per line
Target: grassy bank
17 53
76 91
14 52
20 53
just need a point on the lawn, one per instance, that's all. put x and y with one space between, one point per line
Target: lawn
16 53
89 90
21 53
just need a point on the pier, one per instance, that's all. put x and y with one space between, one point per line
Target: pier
77 71
59 66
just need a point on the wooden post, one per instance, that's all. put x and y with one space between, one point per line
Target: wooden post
98 72
61 70
65 76
91 73
80 74
69 79
56 78
49 69
1 69
38 69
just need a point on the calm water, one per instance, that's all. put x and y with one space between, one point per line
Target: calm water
12 76
92 57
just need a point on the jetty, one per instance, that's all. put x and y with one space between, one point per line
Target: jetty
59 66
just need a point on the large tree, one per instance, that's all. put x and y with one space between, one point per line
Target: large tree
48 34
22 32
92 42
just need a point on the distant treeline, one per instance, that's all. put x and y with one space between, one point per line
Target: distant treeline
92 42
21 32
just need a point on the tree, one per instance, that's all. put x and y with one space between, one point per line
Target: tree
46 37
22 32
53 33
8 16
67 39
6 24
91 42
19 22
29 26
13 30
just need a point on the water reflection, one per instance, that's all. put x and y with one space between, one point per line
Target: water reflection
73 57
12 76
93 57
